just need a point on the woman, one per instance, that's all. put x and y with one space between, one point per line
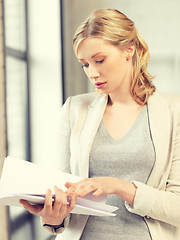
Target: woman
124 140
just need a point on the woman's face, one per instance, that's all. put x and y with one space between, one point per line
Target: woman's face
107 66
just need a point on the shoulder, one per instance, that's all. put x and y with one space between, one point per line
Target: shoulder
172 102
81 102
169 98
80 99
76 108
83 99
87 100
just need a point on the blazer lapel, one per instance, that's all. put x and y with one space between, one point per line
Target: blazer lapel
94 117
159 121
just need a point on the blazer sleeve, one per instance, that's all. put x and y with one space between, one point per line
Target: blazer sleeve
63 137
162 205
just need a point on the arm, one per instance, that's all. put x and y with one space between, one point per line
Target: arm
164 204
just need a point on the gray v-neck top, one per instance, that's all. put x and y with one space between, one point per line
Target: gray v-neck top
129 158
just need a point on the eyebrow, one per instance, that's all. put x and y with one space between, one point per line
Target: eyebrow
93 56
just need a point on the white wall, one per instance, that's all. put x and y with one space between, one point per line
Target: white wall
45 77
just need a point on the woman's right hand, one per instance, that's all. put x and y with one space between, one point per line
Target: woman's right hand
52 213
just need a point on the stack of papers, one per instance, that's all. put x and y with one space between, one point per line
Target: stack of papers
25 180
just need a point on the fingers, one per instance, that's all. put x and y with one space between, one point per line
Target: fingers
48 201
53 213
63 203
83 190
60 203
98 192
71 187
83 187
72 200
68 184
33 209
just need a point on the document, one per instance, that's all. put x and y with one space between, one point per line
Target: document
29 181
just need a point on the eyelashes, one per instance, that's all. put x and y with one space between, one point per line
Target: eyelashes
100 61
87 64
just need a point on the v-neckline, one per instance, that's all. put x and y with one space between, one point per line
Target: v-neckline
136 122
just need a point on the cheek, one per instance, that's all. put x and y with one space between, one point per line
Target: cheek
113 69
86 72
116 67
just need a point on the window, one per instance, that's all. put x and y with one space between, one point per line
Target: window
19 134
17 102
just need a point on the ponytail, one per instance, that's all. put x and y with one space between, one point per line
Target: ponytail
141 87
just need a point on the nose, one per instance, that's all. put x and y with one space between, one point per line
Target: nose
93 73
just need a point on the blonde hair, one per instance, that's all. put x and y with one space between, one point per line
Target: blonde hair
119 30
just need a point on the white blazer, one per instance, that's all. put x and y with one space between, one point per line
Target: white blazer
158 201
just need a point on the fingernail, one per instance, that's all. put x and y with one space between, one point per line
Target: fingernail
69 198
73 194
21 202
49 190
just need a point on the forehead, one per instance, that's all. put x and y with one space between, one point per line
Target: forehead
91 46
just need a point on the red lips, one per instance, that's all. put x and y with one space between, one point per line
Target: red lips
100 85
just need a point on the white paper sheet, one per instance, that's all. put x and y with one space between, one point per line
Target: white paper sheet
24 180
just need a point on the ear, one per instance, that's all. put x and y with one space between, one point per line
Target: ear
130 51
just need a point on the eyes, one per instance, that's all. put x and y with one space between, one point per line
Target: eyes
97 61
85 65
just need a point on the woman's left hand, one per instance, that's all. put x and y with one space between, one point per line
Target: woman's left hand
99 185
103 185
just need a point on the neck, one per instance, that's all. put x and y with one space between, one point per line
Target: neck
120 97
